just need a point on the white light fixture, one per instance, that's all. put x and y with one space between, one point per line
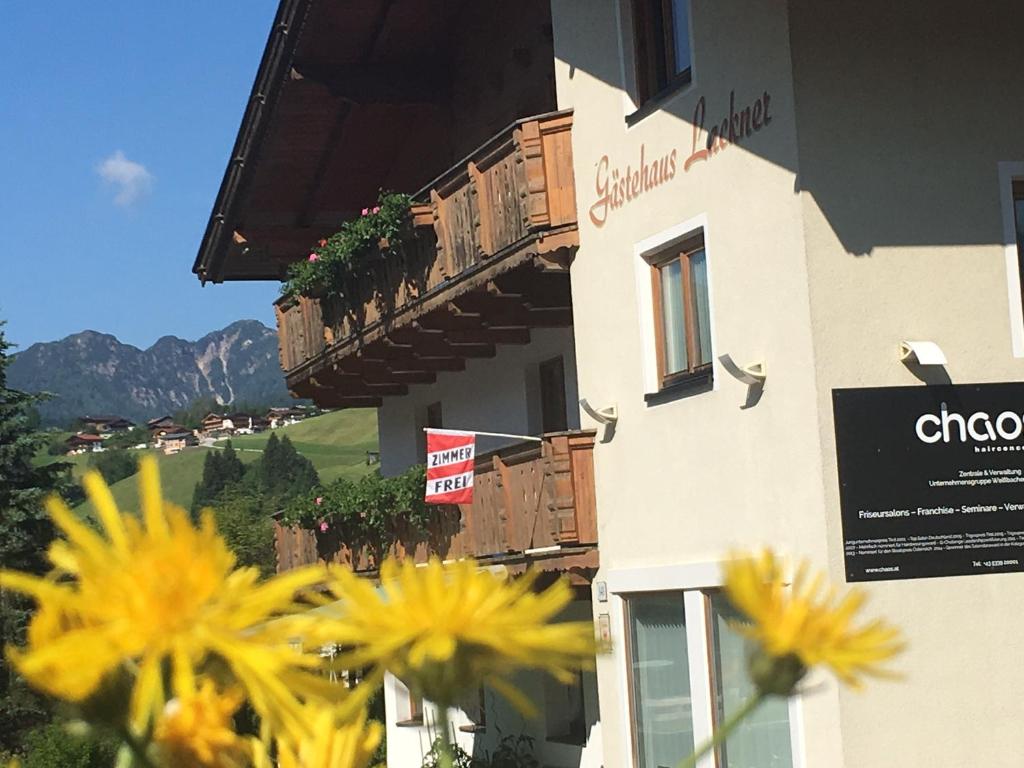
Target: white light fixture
922 353
752 374
607 415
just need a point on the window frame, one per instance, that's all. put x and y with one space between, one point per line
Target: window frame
645 55
702 372
1009 174
695 582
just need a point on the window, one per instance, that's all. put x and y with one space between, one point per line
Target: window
671 635
661 44
564 711
429 417
660 680
1018 219
409 706
682 322
552 396
474 707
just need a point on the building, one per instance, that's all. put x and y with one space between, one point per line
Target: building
771 244
284 417
175 442
83 443
106 425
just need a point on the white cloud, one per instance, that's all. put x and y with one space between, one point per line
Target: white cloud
131 179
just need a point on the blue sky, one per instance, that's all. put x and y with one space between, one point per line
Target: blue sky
118 118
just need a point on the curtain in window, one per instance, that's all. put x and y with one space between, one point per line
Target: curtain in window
699 274
661 680
673 317
762 741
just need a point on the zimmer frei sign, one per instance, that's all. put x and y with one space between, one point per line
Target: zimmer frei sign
451 456
617 185
931 480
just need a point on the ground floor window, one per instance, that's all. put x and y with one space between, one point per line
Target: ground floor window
672 638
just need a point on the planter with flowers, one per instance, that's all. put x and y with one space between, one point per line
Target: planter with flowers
360 247
373 512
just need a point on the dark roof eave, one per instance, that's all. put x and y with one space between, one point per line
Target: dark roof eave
274 65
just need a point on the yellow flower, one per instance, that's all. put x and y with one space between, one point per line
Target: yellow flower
161 595
447 629
335 743
196 730
806 623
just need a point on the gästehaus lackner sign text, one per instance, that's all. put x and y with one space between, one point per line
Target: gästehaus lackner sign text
931 480
617 185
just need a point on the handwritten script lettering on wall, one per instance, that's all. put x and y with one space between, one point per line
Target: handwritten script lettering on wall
617 186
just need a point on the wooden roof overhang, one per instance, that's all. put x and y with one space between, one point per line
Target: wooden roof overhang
351 96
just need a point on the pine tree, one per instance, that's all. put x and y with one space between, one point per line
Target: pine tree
221 470
25 533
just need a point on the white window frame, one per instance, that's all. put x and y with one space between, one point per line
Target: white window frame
692 580
1010 172
643 252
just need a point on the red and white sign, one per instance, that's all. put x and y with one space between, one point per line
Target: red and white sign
451 457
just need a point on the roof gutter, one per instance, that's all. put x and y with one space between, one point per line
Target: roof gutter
274 67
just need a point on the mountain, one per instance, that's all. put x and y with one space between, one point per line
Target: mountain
93 373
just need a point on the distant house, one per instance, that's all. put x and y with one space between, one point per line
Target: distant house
213 425
282 417
106 425
160 433
160 422
175 442
245 423
83 443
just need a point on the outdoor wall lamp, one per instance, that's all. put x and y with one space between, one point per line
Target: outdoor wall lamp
607 415
752 374
922 353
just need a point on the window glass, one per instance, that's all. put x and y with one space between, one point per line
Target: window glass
660 680
681 34
673 315
702 312
763 739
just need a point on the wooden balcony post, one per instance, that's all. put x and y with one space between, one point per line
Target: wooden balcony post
529 145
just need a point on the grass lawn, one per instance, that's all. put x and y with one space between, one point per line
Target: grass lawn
335 442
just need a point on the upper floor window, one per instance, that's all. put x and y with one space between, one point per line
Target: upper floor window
1018 218
661 44
682 322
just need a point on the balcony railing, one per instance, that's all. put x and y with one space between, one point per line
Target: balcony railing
532 504
486 260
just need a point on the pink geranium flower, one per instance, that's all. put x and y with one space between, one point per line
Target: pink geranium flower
366 211
323 527
314 257
319 500
377 209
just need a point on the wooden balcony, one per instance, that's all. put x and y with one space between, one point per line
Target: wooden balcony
533 504
486 261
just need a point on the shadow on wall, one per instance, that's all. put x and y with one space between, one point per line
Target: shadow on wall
902 109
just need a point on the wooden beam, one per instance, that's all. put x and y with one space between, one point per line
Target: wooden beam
410 82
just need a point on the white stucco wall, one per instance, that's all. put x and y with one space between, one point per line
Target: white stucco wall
499 394
690 478
868 212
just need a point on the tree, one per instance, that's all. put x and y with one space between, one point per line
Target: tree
114 465
283 472
25 533
246 527
221 470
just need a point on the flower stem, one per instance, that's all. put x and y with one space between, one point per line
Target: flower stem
725 730
447 758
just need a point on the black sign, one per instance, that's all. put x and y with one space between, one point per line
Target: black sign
931 480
